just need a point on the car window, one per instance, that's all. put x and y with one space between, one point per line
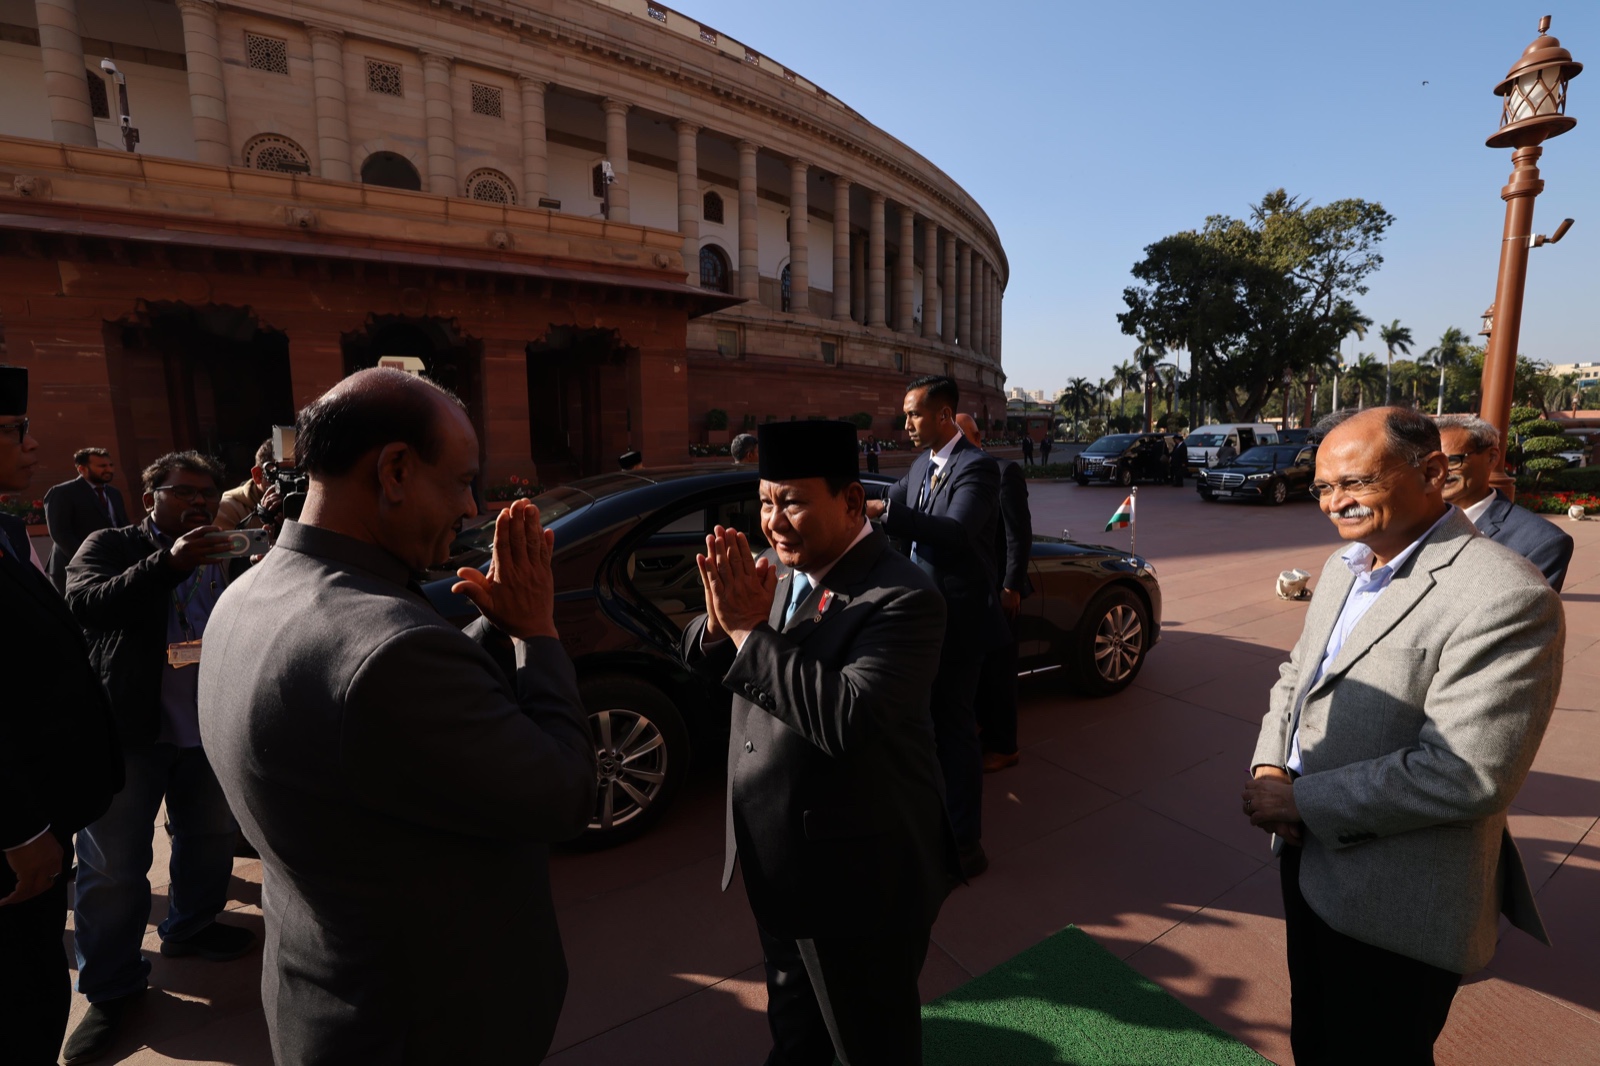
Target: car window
1204 440
1113 445
660 565
1307 457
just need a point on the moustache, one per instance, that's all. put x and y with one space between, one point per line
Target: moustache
1355 510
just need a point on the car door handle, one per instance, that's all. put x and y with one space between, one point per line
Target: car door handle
660 562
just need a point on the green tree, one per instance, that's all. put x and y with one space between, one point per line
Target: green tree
1365 373
1253 298
1079 395
1396 338
1449 352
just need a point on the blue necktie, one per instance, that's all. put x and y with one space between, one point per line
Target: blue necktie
797 595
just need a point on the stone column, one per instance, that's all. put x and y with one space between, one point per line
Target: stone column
206 100
799 238
858 279
439 113
877 281
906 272
930 279
947 332
999 316
535 160
65 84
991 315
617 152
841 249
964 323
333 117
979 274
749 233
689 202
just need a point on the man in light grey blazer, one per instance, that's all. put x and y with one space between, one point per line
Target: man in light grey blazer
1402 726
400 778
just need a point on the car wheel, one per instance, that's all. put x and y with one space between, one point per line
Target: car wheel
1109 645
1279 493
1125 476
1083 482
1208 496
641 757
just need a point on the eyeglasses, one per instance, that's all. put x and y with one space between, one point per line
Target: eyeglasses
1353 486
188 493
1460 458
20 425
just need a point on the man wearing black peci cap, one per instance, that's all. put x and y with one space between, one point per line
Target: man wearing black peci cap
59 764
829 643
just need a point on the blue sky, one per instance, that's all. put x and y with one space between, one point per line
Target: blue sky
1089 130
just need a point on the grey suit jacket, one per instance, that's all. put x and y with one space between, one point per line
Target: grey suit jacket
401 788
835 798
1415 742
1530 536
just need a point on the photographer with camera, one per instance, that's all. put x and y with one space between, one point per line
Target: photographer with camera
143 595
258 502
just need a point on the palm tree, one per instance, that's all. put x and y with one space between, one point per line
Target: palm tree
1450 351
1364 373
1169 376
1148 354
1079 392
1396 338
1123 376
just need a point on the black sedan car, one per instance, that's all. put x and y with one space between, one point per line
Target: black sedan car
1126 458
627 584
1270 473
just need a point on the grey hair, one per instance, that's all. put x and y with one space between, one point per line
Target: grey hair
1409 435
742 445
1481 433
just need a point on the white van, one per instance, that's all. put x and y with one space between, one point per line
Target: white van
1204 442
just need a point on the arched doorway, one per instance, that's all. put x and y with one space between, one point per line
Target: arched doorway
206 377
450 358
390 170
577 402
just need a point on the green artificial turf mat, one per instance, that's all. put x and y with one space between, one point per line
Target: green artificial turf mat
1069 1000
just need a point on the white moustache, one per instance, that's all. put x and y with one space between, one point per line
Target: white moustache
1355 510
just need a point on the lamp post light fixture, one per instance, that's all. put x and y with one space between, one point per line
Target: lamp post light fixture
1533 111
1488 323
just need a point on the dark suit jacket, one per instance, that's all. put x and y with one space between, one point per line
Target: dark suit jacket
835 804
1014 545
401 789
59 763
119 587
1530 536
72 511
955 535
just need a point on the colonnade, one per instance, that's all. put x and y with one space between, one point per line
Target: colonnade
862 289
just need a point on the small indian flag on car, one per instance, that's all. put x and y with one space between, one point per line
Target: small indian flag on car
1123 517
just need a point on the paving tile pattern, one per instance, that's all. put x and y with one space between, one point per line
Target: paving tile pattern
1122 817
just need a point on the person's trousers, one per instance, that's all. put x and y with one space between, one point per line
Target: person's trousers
997 696
114 855
955 734
854 997
1352 1002
35 986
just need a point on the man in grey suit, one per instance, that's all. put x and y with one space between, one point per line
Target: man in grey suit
1472 447
834 809
1402 726
400 778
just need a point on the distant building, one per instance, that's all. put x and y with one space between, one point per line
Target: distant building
1588 373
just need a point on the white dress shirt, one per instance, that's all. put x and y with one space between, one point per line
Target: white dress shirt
1477 510
1369 585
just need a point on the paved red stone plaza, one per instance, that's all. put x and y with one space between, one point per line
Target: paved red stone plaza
1122 818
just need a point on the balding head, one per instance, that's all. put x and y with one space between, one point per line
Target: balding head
392 459
969 430
1383 476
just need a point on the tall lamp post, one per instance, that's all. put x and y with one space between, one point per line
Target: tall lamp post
1535 109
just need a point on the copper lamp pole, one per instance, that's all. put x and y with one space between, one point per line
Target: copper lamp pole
1535 92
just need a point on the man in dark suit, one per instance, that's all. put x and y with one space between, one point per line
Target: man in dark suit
834 814
1472 447
948 507
1027 447
400 778
76 508
59 765
997 683
143 595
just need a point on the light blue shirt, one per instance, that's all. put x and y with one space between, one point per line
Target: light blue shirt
1369 585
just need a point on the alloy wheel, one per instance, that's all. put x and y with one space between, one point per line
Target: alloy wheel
632 762
1118 643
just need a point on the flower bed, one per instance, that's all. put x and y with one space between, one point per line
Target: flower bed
31 512
1558 502
513 488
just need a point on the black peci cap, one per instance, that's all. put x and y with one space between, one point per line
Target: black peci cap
13 390
794 450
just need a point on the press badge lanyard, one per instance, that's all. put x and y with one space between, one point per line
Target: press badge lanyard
187 651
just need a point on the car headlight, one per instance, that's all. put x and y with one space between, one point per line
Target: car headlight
1259 477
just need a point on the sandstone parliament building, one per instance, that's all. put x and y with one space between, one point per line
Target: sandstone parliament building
596 220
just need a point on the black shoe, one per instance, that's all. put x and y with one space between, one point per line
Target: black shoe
973 861
99 1027
216 942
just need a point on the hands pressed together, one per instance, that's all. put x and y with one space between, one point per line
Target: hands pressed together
517 595
739 588
1269 804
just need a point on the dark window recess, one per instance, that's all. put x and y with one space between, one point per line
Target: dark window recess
830 353
714 272
99 101
390 170
597 178
786 288
711 208
728 343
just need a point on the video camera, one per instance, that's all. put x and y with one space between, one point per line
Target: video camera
292 484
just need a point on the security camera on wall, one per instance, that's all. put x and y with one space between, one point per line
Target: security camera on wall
111 70
607 172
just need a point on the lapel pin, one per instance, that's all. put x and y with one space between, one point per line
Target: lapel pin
824 603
